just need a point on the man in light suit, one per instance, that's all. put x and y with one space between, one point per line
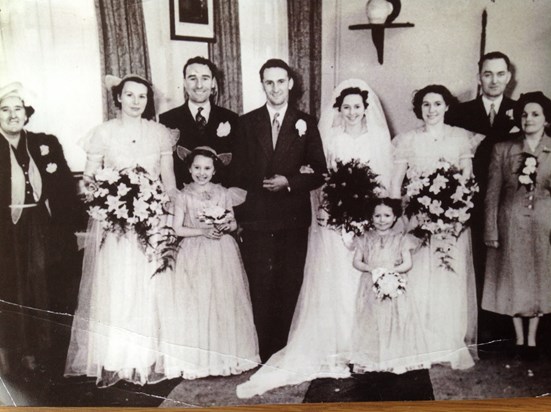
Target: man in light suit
490 114
273 143
199 120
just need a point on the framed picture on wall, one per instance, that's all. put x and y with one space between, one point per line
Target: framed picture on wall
192 20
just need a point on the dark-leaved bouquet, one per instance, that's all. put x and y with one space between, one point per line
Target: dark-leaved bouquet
346 194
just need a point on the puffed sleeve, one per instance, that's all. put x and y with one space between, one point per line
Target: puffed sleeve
467 142
236 196
410 243
95 146
167 138
402 147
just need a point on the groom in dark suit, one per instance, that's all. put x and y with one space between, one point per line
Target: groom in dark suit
273 143
199 120
490 114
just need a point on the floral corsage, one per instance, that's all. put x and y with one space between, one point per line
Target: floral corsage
387 284
527 172
301 127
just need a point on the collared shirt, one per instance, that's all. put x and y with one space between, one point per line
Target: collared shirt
281 112
487 103
194 106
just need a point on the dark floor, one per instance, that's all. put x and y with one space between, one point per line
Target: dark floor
498 374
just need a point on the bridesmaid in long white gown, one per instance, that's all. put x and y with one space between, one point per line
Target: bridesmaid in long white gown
446 299
116 325
353 127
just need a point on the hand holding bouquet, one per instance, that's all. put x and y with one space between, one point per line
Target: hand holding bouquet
387 284
349 186
130 200
218 217
441 201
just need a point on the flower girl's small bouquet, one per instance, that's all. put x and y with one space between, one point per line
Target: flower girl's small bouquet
130 200
441 201
215 216
347 191
387 284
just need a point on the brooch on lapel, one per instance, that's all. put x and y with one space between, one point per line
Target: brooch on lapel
51 168
44 149
224 129
300 125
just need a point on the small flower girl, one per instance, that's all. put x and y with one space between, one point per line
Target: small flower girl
387 336
212 331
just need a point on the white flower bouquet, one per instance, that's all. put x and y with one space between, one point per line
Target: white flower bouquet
215 216
387 284
130 200
441 201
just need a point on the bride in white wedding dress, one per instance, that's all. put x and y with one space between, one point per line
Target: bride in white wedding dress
352 127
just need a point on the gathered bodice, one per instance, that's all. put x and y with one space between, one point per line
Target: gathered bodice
111 145
421 150
195 202
365 148
383 250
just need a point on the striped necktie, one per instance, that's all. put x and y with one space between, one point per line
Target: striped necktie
275 129
492 114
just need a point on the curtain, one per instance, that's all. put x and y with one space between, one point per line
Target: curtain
123 42
304 18
225 52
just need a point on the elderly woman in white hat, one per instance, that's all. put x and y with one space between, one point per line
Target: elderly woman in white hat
38 197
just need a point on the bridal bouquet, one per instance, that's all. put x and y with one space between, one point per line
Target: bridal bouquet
130 200
387 284
347 191
441 200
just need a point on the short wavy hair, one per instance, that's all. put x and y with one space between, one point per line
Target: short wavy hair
532 97
494 56
351 91
149 112
419 95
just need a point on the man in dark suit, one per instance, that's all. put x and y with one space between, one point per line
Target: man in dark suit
490 114
273 143
199 120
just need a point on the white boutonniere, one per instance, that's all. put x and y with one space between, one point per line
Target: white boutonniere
509 114
51 168
224 129
300 125
44 149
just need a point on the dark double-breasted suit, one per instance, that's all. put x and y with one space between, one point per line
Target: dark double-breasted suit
275 224
472 116
218 133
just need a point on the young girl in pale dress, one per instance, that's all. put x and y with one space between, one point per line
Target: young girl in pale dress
387 334
216 334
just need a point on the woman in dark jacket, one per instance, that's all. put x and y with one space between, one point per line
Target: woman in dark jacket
37 203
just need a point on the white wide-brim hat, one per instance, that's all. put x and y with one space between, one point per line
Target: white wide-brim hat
16 89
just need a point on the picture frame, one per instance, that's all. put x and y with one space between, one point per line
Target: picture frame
192 20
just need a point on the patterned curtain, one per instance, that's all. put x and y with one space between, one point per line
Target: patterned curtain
304 18
225 52
123 43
